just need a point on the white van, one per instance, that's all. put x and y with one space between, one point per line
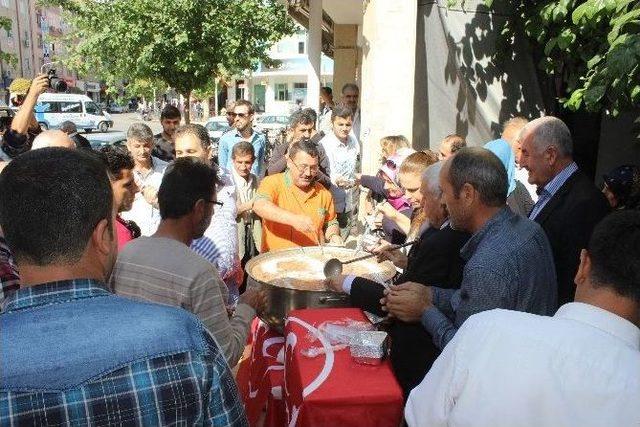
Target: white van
55 108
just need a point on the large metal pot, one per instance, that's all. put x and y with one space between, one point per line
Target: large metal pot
281 300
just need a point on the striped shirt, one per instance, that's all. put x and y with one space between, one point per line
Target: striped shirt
219 244
166 387
166 271
552 188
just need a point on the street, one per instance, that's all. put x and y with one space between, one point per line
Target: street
121 123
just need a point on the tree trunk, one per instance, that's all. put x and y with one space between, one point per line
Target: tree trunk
187 107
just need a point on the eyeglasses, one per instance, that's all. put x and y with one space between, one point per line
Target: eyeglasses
302 168
215 202
241 115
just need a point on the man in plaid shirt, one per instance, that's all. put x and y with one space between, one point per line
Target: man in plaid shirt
72 353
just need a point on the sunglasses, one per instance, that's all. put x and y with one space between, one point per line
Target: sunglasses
241 115
215 202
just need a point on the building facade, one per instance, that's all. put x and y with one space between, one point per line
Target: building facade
281 87
32 42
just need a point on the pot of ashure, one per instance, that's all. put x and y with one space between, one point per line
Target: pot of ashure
294 279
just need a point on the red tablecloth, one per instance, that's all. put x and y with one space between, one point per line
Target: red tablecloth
260 377
332 389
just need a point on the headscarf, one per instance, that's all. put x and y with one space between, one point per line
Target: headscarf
390 168
624 183
502 149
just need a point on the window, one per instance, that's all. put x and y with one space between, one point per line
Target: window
71 107
300 47
299 85
92 108
47 107
282 92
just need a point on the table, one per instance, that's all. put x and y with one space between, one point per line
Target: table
327 390
260 377
332 389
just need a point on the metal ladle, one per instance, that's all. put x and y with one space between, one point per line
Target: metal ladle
333 267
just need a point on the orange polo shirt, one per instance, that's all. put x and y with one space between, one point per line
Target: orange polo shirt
316 202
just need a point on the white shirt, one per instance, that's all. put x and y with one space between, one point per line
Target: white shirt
219 244
143 213
343 163
506 368
355 129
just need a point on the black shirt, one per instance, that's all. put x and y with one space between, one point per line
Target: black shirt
163 149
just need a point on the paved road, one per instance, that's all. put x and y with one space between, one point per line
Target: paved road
121 123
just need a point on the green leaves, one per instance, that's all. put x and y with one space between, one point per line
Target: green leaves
183 43
590 49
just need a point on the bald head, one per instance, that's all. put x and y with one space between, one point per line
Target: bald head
512 127
52 138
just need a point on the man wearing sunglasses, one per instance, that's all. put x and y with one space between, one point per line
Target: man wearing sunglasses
243 131
295 209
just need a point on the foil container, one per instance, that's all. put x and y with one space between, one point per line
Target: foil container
369 347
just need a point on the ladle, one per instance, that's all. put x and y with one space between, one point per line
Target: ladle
333 267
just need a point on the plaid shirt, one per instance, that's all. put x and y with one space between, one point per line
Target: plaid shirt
9 277
188 388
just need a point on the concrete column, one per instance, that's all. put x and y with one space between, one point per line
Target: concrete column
345 57
231 92
388 67
314 52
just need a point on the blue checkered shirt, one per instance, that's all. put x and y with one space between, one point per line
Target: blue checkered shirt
182 389
552 188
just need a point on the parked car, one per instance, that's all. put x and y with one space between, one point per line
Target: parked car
55 108
216 126
117 139
271 122
116 108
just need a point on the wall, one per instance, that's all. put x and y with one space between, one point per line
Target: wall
346 57
388 61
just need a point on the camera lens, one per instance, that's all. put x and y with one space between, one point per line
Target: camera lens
58 85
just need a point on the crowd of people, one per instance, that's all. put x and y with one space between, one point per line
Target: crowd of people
124 297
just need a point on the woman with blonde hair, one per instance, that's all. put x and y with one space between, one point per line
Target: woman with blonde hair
395 145
410 179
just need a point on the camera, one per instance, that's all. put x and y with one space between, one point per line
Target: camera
55 82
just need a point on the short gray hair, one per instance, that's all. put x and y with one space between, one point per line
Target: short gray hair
68 127
483 170
551 131
431 178
140 132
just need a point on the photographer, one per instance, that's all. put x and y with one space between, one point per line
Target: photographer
24 126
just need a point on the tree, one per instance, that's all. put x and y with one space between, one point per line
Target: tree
6 24
589 50
184 43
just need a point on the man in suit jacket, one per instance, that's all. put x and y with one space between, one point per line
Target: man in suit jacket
433 259
569 206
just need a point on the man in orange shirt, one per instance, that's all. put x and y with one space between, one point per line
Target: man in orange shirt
295 209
